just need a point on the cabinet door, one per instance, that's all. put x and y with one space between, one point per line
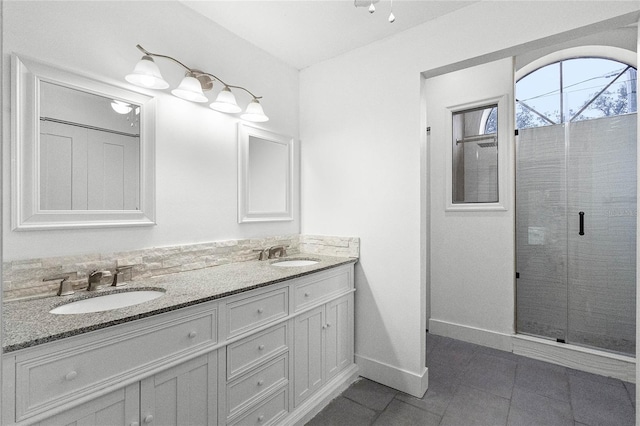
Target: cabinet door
339 335
120 407
308 353
182 395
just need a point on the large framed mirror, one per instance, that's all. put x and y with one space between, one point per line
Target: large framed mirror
265 175
83 151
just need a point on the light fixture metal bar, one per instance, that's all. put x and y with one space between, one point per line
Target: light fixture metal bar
195 72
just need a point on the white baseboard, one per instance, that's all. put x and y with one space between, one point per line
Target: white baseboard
316 402
479 336
394 377
571 356
576 357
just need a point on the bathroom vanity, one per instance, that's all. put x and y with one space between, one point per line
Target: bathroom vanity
243 343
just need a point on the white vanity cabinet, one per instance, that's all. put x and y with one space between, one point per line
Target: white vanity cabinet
250 358
120 407
182 395
323 345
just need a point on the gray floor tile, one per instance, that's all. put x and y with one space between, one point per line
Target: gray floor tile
471 406
596 403
500 354
370 394
342 411
399 413
518 417
631 388
452 353
528 408
543 378
435 400
491 374
595 377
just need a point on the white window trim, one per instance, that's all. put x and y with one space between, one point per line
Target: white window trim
505 135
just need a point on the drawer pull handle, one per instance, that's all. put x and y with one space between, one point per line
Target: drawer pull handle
261 347
260 310
260 382
148 419
260 418
307 294
71 375
192 334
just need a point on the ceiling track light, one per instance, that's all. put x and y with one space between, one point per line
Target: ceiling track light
147 74
370 4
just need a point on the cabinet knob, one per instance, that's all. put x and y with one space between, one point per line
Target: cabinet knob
324 326
261 347
260 382
148 418
260 418
307 294
71 375
192 334
260 310
328 324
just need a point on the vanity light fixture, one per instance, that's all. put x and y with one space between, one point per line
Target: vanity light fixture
147 74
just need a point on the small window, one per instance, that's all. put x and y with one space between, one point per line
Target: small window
475 155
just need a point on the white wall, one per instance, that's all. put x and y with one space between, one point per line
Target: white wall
361 135
196 147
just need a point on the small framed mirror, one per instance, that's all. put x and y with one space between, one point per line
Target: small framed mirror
265 175
82 151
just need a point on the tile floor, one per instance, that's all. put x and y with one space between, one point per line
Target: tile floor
475 385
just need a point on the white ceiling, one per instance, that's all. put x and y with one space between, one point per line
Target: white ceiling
305 32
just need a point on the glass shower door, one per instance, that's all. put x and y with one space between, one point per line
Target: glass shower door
541 232
602 232
576 232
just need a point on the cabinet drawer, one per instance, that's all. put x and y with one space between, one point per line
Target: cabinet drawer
246 390
268 412
251 312
318 289
252 350
45 381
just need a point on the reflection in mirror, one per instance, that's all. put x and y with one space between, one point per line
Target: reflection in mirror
265 175
82 151
89 151
475 155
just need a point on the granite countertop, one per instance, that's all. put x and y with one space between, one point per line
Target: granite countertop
28 323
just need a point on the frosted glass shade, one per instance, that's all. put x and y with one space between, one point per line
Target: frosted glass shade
147 74
254 112
190 89
226 102
121 107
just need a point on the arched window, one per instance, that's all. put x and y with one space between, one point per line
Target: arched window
574 90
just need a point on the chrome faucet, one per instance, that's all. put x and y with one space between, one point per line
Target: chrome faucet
65 288
95 279
263 254
277 251
120 270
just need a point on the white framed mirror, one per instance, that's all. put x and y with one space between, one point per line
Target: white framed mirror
265 175
83 151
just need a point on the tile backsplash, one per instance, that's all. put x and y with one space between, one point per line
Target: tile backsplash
23 278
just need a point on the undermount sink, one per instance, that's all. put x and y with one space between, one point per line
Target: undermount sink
107 302
295 262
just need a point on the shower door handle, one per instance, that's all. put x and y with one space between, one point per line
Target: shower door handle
581 223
